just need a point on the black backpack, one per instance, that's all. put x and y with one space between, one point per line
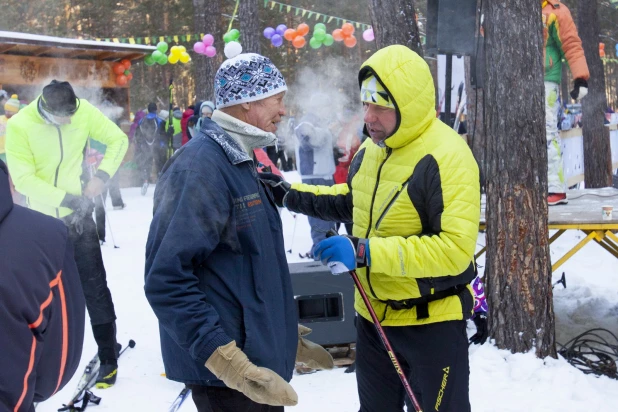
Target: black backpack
149 129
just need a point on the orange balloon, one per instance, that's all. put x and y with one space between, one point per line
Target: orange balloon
347 29
121 80
289 34
338 35
350 41
118 68
126 63
299 41
302 29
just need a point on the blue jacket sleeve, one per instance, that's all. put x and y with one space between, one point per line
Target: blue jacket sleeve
190 213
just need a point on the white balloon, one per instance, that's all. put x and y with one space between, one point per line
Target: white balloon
232 49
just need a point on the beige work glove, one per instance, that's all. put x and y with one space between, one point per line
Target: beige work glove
261 385
311 354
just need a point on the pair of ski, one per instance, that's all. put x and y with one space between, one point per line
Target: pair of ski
82 394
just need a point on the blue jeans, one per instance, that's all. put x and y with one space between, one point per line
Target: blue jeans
319 227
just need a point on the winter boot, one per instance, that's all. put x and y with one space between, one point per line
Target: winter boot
107 374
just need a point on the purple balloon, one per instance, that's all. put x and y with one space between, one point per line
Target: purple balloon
281 29
368 35
199 47
268 32
210 51
276 40
208 40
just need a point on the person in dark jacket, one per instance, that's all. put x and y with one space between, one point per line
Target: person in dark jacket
216 271
42 305
150 138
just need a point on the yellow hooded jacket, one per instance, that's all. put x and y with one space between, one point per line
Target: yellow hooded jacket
45 160
417 200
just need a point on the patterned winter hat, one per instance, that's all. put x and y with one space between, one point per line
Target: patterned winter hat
248 77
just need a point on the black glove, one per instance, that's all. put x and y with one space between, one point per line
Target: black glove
580 89
480 321
278 186
170 131
81 206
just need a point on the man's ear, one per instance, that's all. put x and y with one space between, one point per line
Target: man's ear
246 106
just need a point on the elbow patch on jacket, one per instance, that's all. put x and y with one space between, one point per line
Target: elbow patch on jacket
425 191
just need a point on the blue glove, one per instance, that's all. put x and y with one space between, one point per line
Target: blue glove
343 253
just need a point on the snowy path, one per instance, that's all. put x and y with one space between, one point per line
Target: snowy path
499 381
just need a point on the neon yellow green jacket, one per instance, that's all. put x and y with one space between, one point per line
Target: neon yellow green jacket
417 200
45 161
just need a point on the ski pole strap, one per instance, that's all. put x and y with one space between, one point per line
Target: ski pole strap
422 303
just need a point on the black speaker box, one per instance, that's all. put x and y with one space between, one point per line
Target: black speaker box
325 303
451 27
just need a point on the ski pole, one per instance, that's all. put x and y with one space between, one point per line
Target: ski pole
184 394
109 222
387 344
293 231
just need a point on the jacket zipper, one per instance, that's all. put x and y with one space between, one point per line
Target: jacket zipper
59 163
401 189
373 198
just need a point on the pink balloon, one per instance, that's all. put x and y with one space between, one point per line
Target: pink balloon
368 35
199 47
210 51
208 40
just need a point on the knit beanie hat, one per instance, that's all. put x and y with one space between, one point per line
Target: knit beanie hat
373 92
248 77
164 114
58 98
12 105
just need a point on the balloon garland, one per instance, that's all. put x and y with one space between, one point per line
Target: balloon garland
205 46
320 37
345 34
275 35
121 69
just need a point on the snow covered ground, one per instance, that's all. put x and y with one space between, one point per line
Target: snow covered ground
499 380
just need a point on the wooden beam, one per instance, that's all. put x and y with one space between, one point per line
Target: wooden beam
104 55
74 53
39 50
6 47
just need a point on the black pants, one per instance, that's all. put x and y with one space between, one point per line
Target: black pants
144 157
218 399
434 357
94 283
99 203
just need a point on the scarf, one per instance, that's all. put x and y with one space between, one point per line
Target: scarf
249 137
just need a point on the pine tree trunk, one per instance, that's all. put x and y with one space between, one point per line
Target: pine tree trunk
597 151
394 22
206 19
249 26
518 266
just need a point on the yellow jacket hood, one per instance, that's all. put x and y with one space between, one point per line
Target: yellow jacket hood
406 77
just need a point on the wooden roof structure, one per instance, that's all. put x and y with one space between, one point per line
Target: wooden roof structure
33 45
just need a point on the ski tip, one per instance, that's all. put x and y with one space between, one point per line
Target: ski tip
131 343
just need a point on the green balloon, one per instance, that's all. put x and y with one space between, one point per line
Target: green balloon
227 38
319 34
315 43
319 26
328 40
235 34
162 60
162 46
149 60
156 55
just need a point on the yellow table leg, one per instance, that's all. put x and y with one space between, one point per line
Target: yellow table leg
480 252
574 250
556 235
